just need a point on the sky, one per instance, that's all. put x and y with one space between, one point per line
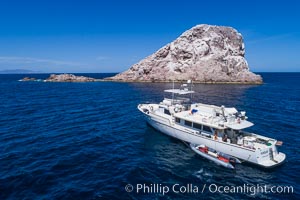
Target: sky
110 36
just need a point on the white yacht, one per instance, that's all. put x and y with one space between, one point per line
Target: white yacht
218 128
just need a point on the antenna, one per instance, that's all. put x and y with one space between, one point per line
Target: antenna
191 88
223 113
173 94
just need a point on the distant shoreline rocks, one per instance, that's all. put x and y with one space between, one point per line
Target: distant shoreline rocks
28 79
68 78
62 78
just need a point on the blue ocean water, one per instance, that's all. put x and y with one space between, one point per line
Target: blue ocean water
88 140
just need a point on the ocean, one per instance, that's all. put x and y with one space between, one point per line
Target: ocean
89 141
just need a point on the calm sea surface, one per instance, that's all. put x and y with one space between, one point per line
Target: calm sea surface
88 140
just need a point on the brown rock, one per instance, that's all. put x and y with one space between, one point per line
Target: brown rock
68 78
28 79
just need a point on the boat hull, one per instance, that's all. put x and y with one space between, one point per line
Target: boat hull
190 137
167 127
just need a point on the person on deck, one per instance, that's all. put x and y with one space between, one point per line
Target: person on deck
216 135
224 139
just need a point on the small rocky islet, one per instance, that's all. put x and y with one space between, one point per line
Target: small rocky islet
69 78
62 78
28 79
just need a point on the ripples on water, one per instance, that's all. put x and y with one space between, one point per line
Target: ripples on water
88 140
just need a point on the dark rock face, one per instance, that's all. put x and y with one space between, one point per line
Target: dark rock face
205 53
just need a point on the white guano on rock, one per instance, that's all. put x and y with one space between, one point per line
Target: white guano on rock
204 54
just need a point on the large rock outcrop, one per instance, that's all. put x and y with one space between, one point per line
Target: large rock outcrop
205 53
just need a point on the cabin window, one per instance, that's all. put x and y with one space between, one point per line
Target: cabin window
197 126
206 128
167 112
187 123
177 120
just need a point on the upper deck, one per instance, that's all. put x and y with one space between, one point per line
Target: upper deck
183 95
180 91
214 116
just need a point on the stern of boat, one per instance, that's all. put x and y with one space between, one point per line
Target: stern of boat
270 157
277 160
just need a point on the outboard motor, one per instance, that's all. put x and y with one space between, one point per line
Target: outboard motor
232 161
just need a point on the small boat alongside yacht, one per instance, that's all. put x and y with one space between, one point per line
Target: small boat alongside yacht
216 157
217 128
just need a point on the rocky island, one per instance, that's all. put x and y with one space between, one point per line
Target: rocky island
62 78
204 54
68 78
27 79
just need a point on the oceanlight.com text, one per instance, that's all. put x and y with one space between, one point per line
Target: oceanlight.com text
211 188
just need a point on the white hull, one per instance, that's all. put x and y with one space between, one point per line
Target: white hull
189 137
166 126
219 128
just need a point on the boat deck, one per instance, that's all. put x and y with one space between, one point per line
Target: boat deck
200 118
213 120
